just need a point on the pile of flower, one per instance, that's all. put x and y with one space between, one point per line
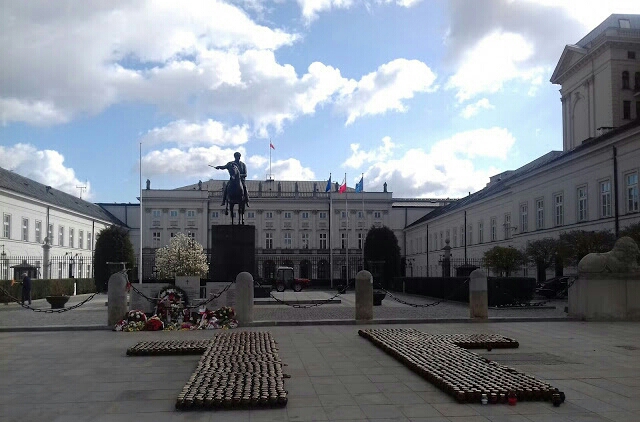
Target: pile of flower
171 303
223 318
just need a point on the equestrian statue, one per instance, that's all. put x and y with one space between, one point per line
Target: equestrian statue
235 192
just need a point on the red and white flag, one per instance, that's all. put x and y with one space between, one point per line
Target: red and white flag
271 145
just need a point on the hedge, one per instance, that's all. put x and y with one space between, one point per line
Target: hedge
40 287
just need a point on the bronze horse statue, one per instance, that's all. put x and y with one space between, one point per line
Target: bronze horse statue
235 194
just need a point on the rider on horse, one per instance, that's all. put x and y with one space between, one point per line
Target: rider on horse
242 169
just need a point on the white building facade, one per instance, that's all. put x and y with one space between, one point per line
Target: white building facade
591 185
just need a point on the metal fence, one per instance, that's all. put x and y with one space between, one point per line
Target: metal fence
63 266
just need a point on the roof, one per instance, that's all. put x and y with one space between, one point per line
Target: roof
612 21
13 182
502 184
304 186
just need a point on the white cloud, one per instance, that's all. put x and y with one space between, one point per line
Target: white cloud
291 169
191 162
473 109
311 8
447 169
32 112
359 157
386 88
495 60
44 166
209 132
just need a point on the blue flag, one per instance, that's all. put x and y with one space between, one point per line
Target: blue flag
328 188
360 185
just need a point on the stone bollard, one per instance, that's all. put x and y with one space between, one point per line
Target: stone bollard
478 298
244 298
117 297
364 296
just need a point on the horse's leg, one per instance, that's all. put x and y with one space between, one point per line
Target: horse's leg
232 205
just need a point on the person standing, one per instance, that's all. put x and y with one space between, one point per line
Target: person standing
26 288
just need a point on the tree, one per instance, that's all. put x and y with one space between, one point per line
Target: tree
182 256
574 245
112 245
542 253
504 260
381 245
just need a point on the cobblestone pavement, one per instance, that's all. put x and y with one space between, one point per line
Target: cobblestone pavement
94 312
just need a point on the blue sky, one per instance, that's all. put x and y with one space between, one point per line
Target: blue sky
431 96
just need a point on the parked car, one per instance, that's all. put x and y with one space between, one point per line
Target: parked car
554 287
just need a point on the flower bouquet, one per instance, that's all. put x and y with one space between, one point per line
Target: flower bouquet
154 324
135 315
171 303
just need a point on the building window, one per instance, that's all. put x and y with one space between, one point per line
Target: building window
377 214
305 215
625 80
638 108
172 234
287 215
323 240
25 229
447 235
605 199
343 240
360 215
89 244
626 110
463 239
191 213
631 55
524 218
636 82
156 213
624 23
304 240
71 240
50 234
507 226
322 215
191 235
539 214
61 236
559 209
38 231
582 203
268 240
470 235
632 192
80 239
251 214
287 240
268 214
480 232
215 214
155 239
6 226
455 238
343 215
441 240
173 213
361 241
494 229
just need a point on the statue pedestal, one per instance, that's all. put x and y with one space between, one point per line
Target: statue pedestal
605 297
233 251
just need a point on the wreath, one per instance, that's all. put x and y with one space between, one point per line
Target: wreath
171 302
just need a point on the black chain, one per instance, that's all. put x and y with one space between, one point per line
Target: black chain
154 300
47 311
424 305
318 303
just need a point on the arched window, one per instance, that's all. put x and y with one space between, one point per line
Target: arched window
636 86
625 80
269 270
305 269
323 269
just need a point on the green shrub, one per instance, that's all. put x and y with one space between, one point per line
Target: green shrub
42 288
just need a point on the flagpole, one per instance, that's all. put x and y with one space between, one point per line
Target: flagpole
330 234
346 207
364 217
140 263
270 158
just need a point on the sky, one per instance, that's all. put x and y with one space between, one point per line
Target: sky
430 96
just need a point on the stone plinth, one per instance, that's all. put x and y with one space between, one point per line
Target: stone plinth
233 251
117 298
244 298
605 297
364 296
478 297
190 285
226 298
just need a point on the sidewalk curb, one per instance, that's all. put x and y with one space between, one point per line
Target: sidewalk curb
297 323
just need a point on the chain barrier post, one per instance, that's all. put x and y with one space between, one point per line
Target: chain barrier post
117 297
478 298
244 297
364 296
